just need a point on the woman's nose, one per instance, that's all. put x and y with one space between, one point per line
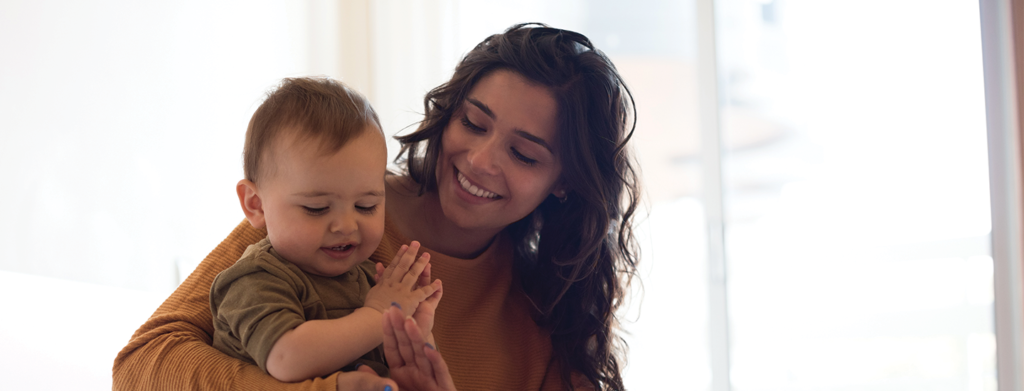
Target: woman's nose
483 158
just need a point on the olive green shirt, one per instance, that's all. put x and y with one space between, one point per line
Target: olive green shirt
262 296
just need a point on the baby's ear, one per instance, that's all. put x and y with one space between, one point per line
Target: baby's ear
252 205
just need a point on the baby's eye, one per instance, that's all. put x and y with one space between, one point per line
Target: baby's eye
366 209
315 211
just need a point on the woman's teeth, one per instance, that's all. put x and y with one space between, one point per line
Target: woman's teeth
472 189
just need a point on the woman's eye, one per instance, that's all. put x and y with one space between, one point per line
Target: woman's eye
470 125
315 211
523 158
366 209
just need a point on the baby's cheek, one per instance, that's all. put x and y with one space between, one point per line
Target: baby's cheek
291 246
376 233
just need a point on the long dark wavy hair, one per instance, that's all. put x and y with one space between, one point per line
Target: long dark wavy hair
575 258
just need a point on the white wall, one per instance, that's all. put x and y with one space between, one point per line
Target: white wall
121 126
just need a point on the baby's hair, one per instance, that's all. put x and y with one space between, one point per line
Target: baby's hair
317 108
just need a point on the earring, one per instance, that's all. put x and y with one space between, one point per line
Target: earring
562 197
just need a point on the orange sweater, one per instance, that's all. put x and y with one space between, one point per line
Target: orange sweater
482 328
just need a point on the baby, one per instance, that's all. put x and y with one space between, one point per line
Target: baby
305 302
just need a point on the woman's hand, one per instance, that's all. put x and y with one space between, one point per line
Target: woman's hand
399 283
414 364
364 379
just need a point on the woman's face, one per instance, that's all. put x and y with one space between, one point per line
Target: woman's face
499 154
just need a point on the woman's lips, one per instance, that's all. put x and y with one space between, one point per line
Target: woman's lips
463 183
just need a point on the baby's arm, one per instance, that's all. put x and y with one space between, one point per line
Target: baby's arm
172 351
319 347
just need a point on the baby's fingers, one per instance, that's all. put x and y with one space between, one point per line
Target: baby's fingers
405 261
394 263
427 292
415 272
435 297
424 276
380 272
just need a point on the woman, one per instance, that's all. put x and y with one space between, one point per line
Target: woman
520 184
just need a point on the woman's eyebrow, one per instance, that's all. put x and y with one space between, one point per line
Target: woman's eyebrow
521 133
538 140
482 107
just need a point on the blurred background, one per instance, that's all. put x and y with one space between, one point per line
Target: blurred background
817 211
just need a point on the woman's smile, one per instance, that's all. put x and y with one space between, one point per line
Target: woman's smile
472 189
499 153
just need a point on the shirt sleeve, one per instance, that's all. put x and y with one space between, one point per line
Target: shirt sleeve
254 302
172 350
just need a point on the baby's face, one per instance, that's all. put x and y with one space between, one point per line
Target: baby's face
325 213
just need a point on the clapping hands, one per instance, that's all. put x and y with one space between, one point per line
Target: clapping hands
405 284
415 364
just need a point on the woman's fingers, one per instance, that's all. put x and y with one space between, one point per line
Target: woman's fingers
408 354
402 338
441 374
365 368
391 352
364 379
397 348
417 342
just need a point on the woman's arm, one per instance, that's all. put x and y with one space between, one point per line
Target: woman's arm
172 351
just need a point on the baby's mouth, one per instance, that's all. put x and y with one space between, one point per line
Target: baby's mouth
340 248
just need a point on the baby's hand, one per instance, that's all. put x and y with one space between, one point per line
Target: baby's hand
424 314
398 283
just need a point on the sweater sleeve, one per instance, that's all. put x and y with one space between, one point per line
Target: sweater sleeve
172 350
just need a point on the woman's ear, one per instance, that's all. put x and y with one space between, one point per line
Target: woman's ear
252 205
561 193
